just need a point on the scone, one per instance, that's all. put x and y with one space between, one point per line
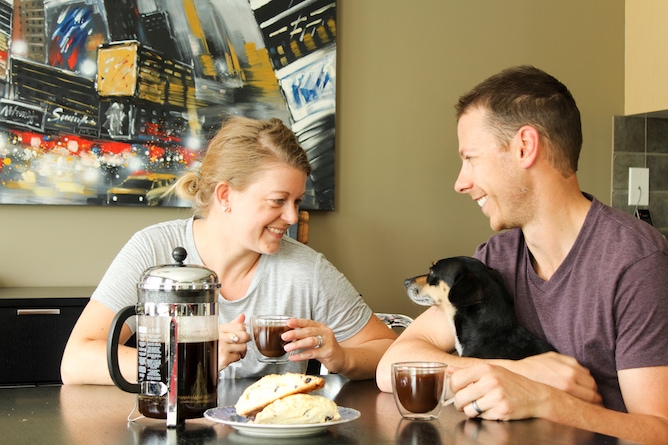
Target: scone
299 409
273 387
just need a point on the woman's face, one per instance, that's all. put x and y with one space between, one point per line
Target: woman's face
263 212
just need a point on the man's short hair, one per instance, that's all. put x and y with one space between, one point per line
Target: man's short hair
525 95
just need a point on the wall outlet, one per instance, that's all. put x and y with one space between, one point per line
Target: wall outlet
638 186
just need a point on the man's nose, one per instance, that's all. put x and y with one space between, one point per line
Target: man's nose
463 183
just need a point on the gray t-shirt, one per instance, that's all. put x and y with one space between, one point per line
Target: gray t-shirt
296 281
607 303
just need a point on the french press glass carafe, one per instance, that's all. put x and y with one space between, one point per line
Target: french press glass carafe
177 341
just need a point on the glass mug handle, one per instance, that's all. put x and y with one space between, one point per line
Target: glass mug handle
112 350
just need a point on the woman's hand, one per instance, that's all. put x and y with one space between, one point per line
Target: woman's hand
232 342
313 340
355 358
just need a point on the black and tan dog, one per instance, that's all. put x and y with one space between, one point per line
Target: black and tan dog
479 308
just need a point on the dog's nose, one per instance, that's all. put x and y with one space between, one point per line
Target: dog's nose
407 282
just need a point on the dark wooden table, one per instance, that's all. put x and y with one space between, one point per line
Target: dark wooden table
87 415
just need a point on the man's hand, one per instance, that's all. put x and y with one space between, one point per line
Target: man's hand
559 371
499 394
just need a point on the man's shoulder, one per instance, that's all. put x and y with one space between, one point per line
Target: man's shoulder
621 228
501 243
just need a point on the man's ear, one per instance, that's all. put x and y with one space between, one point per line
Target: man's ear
529 140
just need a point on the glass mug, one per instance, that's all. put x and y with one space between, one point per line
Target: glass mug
419 388
266 332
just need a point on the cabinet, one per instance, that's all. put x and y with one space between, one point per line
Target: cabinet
645 62
35 324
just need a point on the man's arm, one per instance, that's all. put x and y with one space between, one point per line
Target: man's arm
504 395
431 338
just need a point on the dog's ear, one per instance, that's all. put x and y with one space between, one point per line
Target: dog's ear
466 291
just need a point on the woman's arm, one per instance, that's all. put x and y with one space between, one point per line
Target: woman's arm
85 357
363 351
355 358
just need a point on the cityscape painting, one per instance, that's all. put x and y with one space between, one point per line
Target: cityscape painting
107 102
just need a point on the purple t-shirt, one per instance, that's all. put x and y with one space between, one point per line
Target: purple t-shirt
607 303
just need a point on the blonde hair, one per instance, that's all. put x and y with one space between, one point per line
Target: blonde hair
239 153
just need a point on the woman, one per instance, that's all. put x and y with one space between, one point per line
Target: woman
244 197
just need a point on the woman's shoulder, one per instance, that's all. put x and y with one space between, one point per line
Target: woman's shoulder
162 237
172 229
293 250
178 225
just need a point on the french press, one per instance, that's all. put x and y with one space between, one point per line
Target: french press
177 341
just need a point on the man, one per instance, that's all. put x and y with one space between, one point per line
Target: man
589 279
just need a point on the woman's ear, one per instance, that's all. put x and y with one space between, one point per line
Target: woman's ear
222 192
529 140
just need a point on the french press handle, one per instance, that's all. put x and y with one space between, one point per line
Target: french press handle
112 350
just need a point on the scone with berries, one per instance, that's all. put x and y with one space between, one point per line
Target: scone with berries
273 387
299 409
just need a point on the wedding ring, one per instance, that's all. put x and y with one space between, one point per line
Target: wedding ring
475 406
234 338
319 337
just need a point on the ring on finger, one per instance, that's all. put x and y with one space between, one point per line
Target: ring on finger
475 406
319 344
234 338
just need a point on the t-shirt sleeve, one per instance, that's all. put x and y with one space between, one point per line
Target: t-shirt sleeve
340 305
118 287
641 311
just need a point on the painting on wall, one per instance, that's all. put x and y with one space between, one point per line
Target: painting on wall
107 102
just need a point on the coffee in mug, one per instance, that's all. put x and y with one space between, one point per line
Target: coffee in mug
266 331
419 388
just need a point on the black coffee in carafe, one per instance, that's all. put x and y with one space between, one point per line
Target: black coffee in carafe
197 382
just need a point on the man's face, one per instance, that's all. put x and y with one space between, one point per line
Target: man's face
491 174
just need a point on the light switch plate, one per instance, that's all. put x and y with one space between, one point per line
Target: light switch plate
638 186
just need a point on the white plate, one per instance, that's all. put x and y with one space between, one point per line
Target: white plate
228 416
